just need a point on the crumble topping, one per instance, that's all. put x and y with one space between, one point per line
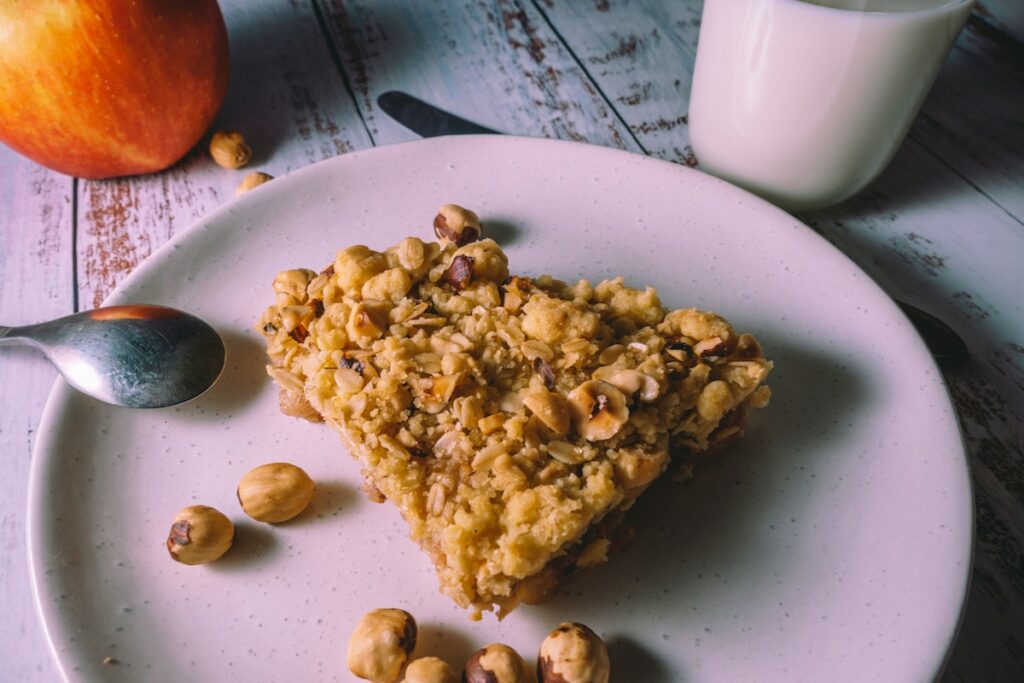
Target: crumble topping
511 419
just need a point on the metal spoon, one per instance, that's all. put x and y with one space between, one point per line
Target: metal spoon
136 356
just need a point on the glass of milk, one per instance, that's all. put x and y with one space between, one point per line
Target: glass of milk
804 102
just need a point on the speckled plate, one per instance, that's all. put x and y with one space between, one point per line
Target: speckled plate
833 543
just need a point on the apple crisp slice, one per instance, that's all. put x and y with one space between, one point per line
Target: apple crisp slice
512 420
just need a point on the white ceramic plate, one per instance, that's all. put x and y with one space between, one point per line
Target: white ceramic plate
833 543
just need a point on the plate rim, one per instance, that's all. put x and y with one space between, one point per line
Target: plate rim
61 390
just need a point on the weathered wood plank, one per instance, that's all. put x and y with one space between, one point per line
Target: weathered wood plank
641 55
285 95
973 119
496 62
36 273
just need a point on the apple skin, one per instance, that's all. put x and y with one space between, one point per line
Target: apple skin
106 88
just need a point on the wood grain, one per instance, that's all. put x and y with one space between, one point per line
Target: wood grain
285 95
36 273
641 56
972 119
497 63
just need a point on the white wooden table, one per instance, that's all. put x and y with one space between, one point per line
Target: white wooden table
304 80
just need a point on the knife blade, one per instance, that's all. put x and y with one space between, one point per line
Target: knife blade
425 119
946 346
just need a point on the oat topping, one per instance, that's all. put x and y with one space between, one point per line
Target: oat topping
511 419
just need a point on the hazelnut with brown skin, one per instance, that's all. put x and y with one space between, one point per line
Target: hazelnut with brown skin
228 149
497 663
429 670
457 225
275 492
573 653
381 644
199 534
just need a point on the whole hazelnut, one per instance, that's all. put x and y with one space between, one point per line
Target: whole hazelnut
199 534
228 149
275 492
381 644
573 653
496 663
429 670
254 179
457 225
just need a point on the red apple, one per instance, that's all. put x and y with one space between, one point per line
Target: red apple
104 88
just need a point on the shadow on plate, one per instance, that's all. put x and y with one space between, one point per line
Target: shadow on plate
504 232
698 542
631 661
451 645
240 382
330 498
254 544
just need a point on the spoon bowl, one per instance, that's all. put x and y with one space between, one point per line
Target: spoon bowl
138 356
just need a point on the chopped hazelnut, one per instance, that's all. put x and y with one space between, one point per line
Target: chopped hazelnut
712 346
681 351
460 272
364 324
748 348
630 382
294 404
293 284
550 408
636 467
543 368
598 409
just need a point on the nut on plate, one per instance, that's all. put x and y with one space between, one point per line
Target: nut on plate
496 663
275 492
381 644
457 225
429 670
228 149
199 534
573 653
251 180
